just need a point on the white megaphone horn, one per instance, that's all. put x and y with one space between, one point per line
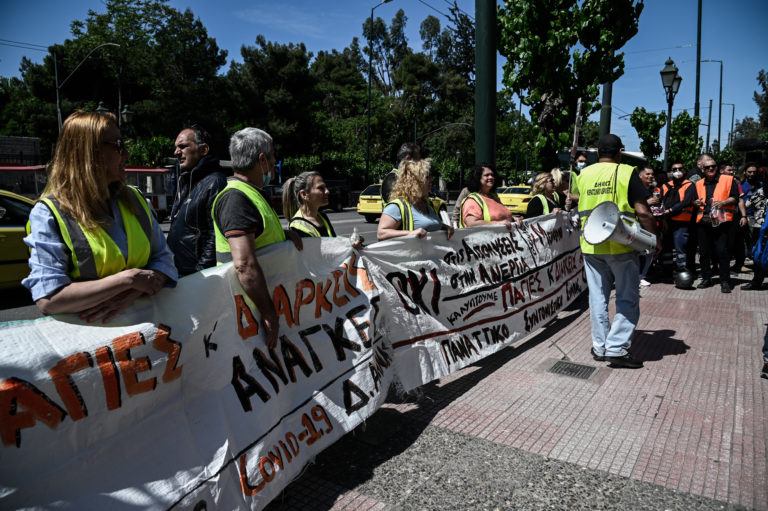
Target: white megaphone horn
605 223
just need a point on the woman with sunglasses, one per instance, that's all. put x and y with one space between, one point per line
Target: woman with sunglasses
545 199
94 245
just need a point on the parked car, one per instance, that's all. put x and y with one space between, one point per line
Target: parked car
371 204
14 255
274 195
515 198
339 193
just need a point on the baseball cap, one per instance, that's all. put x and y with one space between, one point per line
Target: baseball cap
609 144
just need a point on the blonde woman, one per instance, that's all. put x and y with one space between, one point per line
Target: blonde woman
94 245
303 196
410 212
545 199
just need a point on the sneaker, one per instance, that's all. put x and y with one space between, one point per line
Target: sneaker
752 286
705 283
764 372
624 361
725 287
746 269
599 358
644 283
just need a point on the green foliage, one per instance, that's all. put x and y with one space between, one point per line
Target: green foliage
728 155
684 145
295 165
648 125
761 98
560 51
150 151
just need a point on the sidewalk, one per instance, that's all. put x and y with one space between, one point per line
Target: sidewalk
687 431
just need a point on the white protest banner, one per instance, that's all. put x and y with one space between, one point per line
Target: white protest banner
451 303
178 404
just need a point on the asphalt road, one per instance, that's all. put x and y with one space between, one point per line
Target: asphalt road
16 304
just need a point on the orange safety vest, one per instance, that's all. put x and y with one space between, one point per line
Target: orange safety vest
685 214
721 193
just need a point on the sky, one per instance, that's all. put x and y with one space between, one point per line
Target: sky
732 31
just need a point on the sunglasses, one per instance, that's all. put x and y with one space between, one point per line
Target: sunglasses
709 167
119 145
677 168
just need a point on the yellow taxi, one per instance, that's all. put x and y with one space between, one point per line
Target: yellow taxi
371 204
515 198
14 256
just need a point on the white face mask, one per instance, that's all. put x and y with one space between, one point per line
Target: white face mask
677 174
581 164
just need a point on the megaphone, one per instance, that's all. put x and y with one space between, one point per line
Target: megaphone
605 223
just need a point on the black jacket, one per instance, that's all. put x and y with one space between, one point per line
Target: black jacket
191 237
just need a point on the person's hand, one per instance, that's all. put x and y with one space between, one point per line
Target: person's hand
743 221
420 233
699 203
295 238
518 220
110 308
653 200
358 245
146 281
271 327
449 231
556 210
718 203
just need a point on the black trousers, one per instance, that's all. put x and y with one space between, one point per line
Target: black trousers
713 246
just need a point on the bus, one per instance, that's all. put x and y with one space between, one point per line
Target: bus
157 184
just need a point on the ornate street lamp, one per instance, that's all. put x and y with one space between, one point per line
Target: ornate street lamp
671 80
101 108
370 77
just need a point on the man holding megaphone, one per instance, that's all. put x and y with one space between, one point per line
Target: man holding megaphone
615 260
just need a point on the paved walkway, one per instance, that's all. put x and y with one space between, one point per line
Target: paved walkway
687 431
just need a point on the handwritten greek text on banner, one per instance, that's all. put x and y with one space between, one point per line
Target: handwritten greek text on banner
178 404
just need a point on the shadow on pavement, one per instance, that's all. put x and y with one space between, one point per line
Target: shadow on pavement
353 460
653 345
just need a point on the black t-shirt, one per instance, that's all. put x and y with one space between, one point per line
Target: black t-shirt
691 194
636 189
536 207
236 215
324 233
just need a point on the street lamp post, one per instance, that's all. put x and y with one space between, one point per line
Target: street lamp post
60 85
720 110
370 77
730 133
671 80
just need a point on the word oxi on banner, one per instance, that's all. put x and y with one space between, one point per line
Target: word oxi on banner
179 404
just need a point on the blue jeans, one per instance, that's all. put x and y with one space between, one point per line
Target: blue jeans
680 239
603 270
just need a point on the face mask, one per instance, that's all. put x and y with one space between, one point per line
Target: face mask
677 175
267 178
653 184
581 164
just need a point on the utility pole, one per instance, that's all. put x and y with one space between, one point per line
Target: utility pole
485 81
698 67
709 123
605 111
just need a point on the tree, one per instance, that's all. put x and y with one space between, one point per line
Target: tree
648 125
163 67
762 99
274 90
747 127
559 51
684 145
